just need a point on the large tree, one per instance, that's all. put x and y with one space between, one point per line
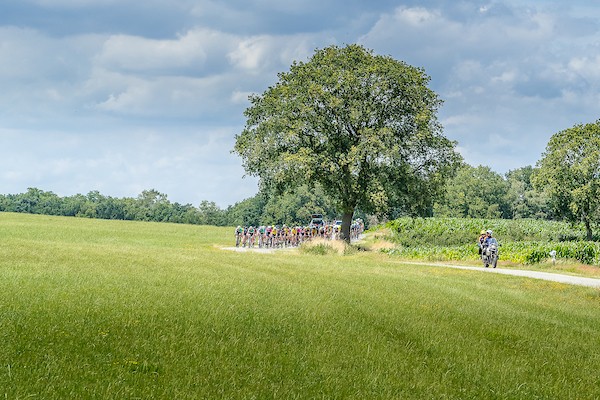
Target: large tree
569 171
363 126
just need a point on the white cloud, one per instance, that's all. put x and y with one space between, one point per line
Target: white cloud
417 17
587 67
139 54
266 53
187 54
251 54
155 102
238 97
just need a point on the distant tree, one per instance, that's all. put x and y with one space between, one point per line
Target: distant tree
152 205
475 192
247 212
569 172
294 207
185 214
210 214
72 205
362 126
525 200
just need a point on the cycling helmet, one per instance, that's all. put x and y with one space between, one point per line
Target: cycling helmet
483 232
489 231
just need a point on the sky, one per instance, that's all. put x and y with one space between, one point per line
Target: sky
122 96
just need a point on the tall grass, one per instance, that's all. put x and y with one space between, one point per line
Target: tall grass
114 310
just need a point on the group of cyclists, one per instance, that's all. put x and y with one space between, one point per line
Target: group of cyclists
275 236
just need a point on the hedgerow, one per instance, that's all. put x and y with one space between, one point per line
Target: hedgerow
523 241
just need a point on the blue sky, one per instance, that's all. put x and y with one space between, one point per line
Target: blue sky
125 95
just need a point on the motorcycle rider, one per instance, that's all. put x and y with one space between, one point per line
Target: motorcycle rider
488 242
489 239
480 240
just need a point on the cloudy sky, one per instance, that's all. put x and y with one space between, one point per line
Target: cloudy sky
125 95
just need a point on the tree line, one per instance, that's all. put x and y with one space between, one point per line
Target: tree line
479 192
475 192
151 205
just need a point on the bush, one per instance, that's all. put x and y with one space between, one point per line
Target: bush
323 247
459 231
524 241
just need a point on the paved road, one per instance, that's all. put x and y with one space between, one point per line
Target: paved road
569 279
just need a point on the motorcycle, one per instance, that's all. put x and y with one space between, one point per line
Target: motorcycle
489 254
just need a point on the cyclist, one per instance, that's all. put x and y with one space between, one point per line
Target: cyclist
261 235
251 232
239 231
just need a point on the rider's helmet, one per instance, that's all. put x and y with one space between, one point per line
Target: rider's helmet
483 232
489 232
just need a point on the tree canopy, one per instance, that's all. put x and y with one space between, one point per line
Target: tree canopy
569 171
475 192
362 126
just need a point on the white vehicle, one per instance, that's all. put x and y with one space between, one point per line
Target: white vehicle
316 220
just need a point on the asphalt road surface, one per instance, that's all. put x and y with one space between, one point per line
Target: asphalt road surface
569 279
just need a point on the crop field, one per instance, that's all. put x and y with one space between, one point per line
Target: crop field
96 309
522 241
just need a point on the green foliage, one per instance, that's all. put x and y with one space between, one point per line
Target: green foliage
525 201
247 212
475 193
150 205
294 207
570 173
267 207
524 241
362 126
478 192
458 231
514 252
320 249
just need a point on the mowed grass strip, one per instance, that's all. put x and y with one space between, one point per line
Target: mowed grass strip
113 309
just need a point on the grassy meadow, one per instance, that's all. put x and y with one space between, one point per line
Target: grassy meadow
96 309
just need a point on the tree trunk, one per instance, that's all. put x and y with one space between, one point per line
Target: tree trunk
588 229
346 222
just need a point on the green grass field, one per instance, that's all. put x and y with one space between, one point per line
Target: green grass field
94 309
